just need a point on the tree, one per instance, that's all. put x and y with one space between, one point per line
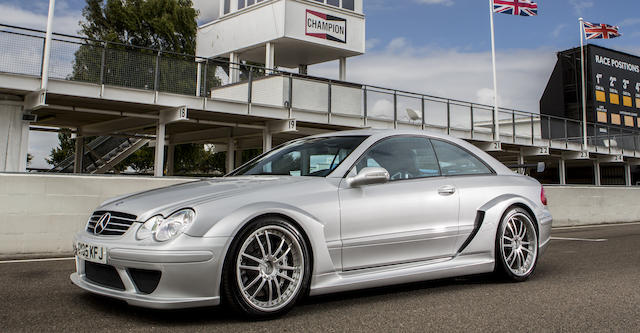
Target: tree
166 25
157 24
65 149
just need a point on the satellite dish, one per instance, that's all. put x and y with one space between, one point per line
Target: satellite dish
413 114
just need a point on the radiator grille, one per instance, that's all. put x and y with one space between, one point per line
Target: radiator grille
117 225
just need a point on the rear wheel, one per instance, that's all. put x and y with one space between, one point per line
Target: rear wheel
268 269
516 245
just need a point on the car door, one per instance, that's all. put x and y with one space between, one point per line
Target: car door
413 217
474 180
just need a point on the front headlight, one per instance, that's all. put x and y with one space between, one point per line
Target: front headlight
165 229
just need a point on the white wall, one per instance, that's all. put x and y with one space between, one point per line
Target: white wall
582 205
273 21
39 214
14 137
295 25
241 30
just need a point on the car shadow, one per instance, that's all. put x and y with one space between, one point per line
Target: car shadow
310 305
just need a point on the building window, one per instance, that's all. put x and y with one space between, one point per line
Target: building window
246 3
346 4
227 6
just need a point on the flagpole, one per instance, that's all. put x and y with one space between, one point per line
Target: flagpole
496 115
584 87
47 47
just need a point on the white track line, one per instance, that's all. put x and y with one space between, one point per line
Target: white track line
579 239
608 225
35 260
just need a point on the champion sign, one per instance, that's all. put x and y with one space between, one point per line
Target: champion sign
326 26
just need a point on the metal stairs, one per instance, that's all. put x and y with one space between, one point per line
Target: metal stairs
102 154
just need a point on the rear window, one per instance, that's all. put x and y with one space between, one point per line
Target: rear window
455 161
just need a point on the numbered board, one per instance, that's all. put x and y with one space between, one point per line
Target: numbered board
615 87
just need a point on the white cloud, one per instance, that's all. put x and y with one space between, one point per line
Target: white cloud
40 145
629 22
372 43
397 45
558 30
436 2
67 22
580 5
451 73
209 9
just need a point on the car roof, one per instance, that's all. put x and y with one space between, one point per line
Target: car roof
378 134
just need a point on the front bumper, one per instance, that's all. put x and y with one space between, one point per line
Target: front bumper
189 268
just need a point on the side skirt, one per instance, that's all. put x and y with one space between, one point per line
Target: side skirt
404 273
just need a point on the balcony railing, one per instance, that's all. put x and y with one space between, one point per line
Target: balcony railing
113 64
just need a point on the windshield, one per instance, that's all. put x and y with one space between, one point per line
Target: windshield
315 157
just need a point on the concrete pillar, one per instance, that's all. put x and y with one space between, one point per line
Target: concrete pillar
231 149
270 56
199 79
521 162
158 166
79 155
171 153
627 174
303 69
267 140
596 172
562 169
234 68
238 158
343 69
14 135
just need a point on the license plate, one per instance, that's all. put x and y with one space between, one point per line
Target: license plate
93 253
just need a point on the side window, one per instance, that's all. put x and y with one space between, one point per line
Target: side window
403 157
457 161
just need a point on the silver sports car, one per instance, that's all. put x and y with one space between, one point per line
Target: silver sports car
318 215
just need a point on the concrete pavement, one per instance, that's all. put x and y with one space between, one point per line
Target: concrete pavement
579 285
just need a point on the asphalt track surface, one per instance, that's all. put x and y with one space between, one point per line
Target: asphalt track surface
578 286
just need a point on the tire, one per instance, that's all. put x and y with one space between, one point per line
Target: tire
517 245
267 269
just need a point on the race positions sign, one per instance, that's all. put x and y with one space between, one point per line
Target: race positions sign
615 84
325 26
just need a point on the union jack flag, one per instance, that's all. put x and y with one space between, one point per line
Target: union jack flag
516 7
600 31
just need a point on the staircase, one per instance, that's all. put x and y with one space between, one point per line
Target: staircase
102 154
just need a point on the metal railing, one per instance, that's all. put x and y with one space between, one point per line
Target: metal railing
114 64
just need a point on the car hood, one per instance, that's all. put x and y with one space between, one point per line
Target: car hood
169 199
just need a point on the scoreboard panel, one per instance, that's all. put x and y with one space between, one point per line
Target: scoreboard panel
615 86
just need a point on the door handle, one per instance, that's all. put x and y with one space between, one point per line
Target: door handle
447 190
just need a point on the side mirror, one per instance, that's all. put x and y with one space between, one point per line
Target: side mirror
541 167
368 176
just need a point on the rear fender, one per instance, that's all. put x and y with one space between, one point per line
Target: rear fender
484 240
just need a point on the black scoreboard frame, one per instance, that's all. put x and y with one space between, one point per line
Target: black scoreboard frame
613 93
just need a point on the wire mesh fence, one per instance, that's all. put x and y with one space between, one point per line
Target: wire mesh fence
113 64
21 53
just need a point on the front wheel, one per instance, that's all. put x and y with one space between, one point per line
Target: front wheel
268 269
516 245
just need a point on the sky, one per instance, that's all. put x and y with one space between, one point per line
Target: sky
436 47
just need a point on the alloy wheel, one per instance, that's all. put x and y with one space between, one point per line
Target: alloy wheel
270 268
